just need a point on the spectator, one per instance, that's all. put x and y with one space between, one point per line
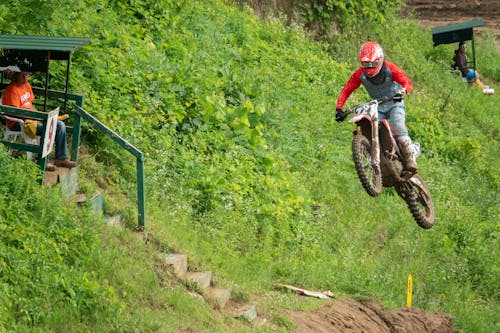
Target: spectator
460 63
19 94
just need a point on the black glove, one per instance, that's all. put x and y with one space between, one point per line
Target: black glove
340 115
398 97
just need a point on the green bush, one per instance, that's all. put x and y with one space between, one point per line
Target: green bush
47 256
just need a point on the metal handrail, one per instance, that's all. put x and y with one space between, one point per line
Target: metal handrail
82 114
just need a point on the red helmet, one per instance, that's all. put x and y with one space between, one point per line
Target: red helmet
371 57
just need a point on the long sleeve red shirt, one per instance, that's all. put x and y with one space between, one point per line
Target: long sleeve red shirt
398 75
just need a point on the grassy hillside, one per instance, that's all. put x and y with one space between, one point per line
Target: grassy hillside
249 174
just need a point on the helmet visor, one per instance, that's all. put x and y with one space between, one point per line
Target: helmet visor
370 64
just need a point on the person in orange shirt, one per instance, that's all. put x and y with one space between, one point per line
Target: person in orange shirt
19 94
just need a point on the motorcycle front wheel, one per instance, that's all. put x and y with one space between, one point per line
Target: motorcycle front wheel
370 177
419 201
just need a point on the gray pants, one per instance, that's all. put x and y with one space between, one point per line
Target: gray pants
395 113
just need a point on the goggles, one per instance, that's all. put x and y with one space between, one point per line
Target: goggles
370 64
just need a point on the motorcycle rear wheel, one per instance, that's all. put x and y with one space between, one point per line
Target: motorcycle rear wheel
370 178
419 201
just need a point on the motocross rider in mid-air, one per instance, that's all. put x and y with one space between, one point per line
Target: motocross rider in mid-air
381 79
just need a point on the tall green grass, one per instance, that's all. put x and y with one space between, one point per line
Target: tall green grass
249 174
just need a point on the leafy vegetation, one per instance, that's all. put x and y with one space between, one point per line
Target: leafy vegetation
247 172
48 256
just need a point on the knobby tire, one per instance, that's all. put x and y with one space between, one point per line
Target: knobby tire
370 178
419 201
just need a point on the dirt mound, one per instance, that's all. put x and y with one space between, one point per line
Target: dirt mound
433 13
350 316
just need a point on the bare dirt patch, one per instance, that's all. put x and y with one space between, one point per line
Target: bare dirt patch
350 316
434 13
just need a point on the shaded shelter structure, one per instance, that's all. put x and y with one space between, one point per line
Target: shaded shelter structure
455 33
23 53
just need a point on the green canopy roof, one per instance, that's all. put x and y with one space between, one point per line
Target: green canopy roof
33 53
42 43
453 33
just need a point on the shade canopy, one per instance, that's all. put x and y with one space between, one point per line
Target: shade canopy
33 53
455 33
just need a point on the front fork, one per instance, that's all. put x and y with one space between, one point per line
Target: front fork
375 146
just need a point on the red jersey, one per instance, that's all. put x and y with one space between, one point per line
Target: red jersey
398 75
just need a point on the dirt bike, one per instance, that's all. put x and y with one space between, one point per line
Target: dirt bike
379 163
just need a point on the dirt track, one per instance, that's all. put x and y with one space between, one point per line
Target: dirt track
350 316
433 13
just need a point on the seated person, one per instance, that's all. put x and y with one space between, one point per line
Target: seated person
19 94
460 62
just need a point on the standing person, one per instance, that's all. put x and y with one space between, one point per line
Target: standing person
19 94
382 78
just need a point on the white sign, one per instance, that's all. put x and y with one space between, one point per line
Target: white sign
50 132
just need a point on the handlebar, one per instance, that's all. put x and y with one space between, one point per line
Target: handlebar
396 98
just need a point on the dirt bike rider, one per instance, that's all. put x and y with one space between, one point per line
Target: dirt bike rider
382 78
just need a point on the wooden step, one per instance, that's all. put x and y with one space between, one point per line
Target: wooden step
115 220
95 201
247 312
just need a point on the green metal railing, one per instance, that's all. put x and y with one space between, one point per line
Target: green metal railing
80 114
38 148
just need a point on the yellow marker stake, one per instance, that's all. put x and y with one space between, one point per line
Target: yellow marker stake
409 291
